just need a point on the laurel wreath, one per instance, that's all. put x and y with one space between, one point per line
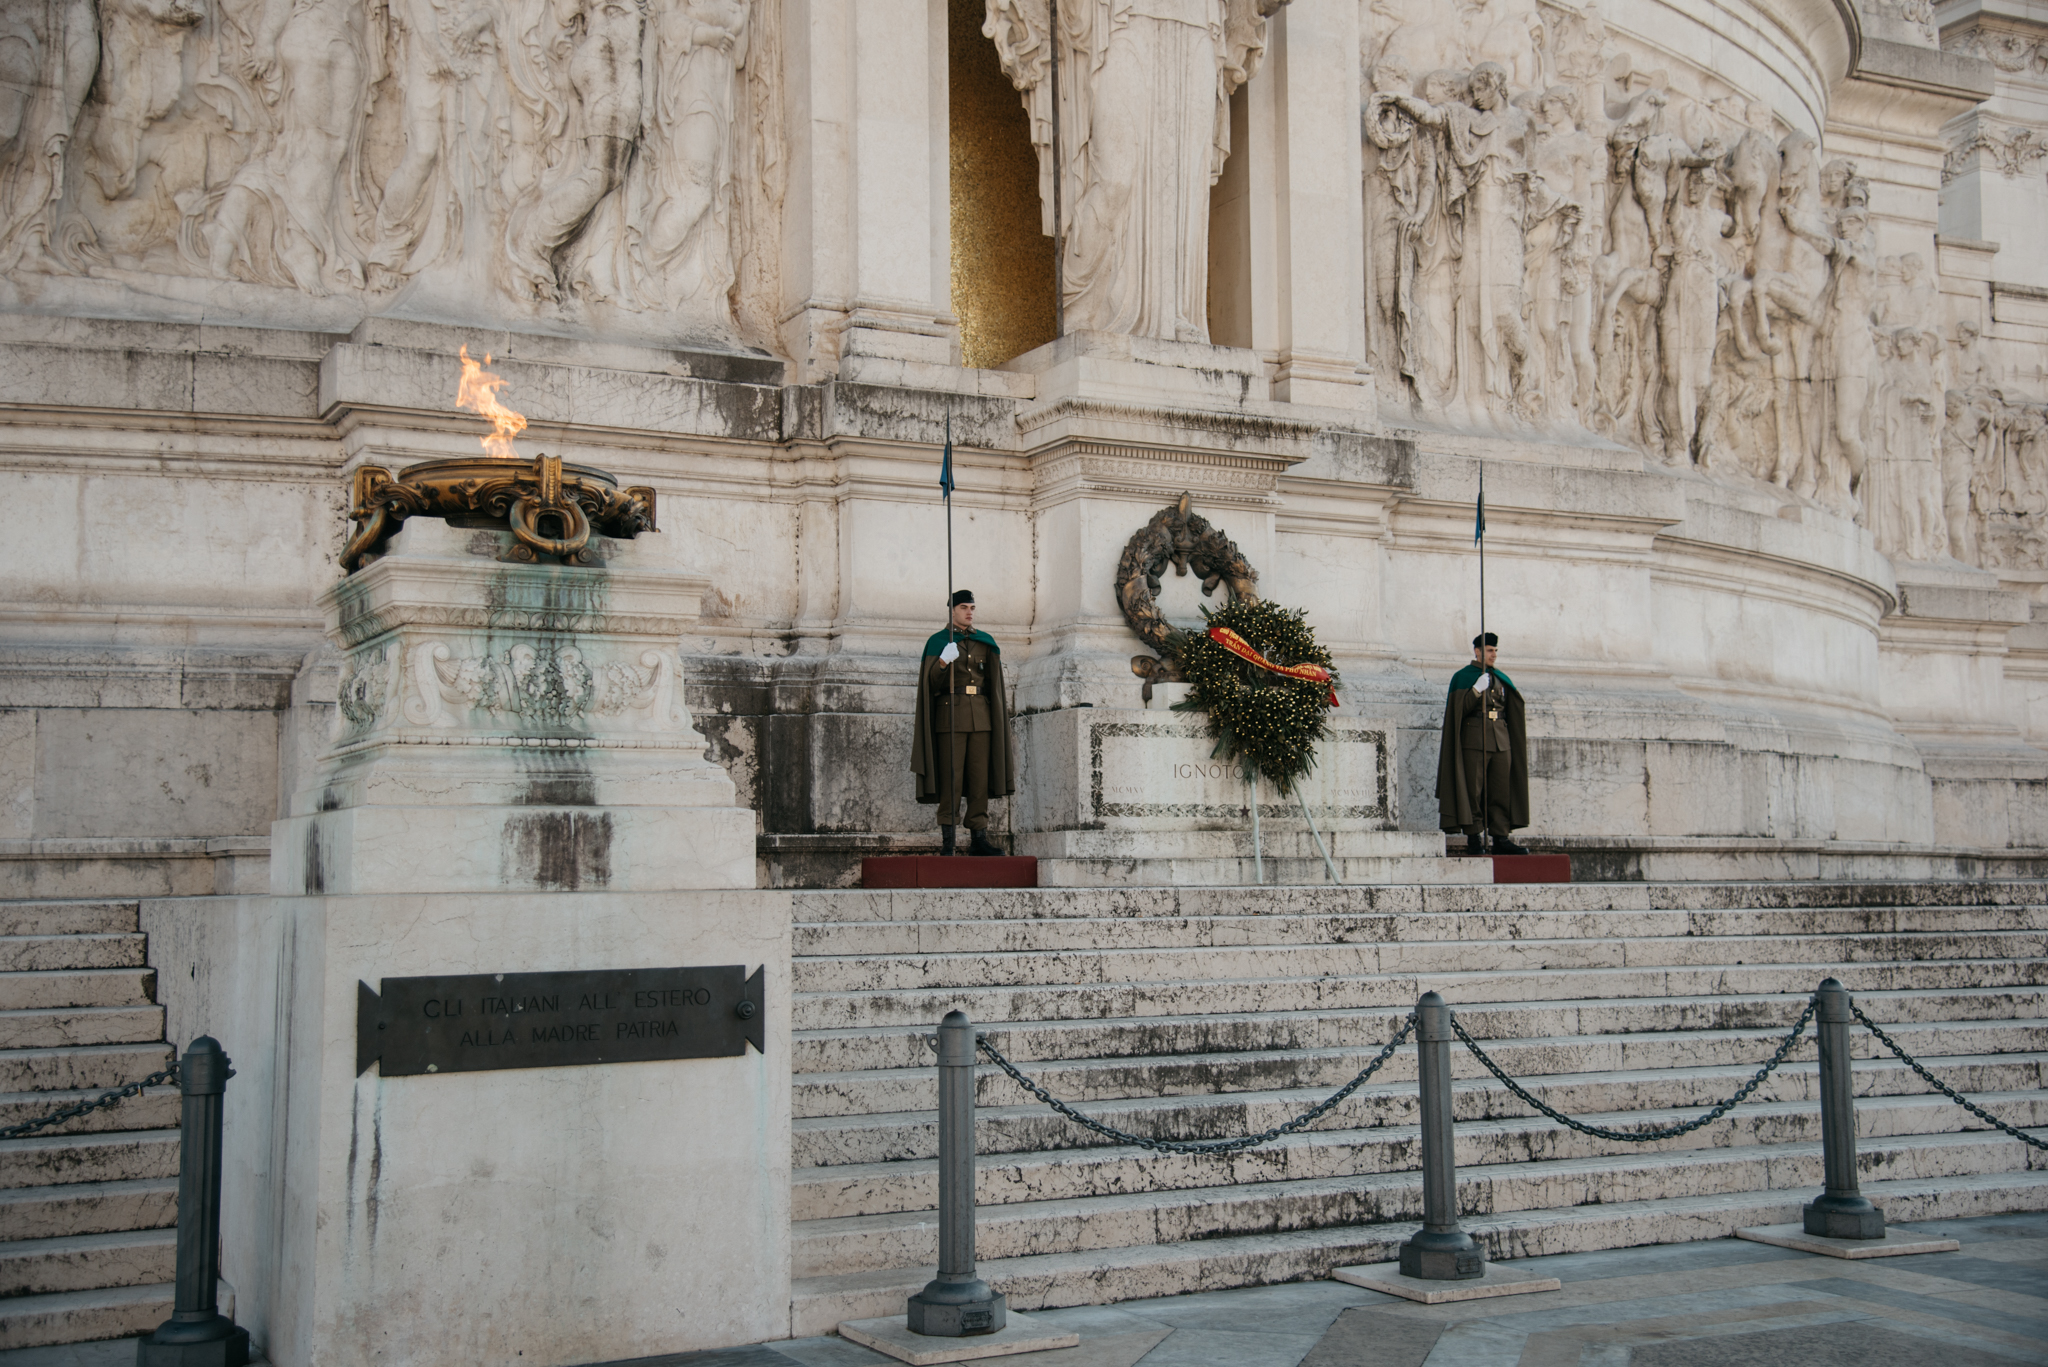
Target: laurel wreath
1266 723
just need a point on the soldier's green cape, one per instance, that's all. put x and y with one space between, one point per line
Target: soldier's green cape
938 641
1464 678
1457 806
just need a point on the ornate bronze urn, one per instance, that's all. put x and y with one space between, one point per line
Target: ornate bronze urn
550 508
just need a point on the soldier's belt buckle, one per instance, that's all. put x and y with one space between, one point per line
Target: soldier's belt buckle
970 690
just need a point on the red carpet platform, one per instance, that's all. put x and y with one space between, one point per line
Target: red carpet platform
959 871
1532 868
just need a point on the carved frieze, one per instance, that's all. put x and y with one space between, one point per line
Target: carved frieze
1559 242
551 161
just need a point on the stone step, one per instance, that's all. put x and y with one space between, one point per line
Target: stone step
1037 904
93 1067
866 1243
83 1316
1282 871
90 1208
1073 1174
1290 839
1110 1000
111 1156
836 1140
155 1109
84 917
919 937
863 1049
87 1262
29 991
74 1026
1042 1281
1203 963
1092 1079
43 953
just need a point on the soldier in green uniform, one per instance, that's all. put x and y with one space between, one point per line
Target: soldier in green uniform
961 747
1482 771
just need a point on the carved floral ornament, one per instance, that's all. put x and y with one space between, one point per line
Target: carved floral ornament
2010 150
2012 53
537 685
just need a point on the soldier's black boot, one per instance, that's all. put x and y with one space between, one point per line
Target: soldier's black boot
979 843
946 839
1503 845
1475 842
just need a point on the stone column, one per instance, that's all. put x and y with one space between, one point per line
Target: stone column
865 241
1303 124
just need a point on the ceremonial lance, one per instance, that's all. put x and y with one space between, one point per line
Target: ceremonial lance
1479 540
946 493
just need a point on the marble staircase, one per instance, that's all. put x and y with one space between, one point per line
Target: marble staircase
1205 1012
88 1208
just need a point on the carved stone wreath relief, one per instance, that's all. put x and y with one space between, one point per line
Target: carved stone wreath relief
1185 540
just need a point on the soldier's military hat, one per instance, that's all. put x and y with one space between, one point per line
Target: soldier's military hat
962 596
1485 638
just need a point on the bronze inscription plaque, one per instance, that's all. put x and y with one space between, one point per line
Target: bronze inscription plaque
464 1023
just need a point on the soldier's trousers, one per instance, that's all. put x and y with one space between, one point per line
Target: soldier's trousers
1487 776
963 772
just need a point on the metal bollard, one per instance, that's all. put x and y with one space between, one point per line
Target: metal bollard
1440 1252
1840 1212
197 1334
956 1303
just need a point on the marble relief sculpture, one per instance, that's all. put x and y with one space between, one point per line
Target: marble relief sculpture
1145 129
1559 242
554 161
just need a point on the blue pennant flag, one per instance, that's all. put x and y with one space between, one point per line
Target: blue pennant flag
946 464
1479 523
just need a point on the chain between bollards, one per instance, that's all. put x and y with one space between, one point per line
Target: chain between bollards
197 1334
79 1108
1203 1146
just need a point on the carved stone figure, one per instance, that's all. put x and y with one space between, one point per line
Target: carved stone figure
685 199
1145 87
128 207
1848 354
1902 490
1965 435
1690 318
1486 139
589 98
1561 239
49 50
279 219
445 78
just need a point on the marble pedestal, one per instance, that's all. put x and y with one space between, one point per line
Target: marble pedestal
514 786
1111 795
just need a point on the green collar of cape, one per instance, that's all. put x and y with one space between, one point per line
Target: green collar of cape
1469 675
939 638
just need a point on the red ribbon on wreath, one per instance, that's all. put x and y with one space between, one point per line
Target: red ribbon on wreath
1240 647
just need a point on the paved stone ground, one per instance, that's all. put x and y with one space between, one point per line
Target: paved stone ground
1723 1303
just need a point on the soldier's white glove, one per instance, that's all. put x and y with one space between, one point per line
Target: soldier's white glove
950 653
1485 682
